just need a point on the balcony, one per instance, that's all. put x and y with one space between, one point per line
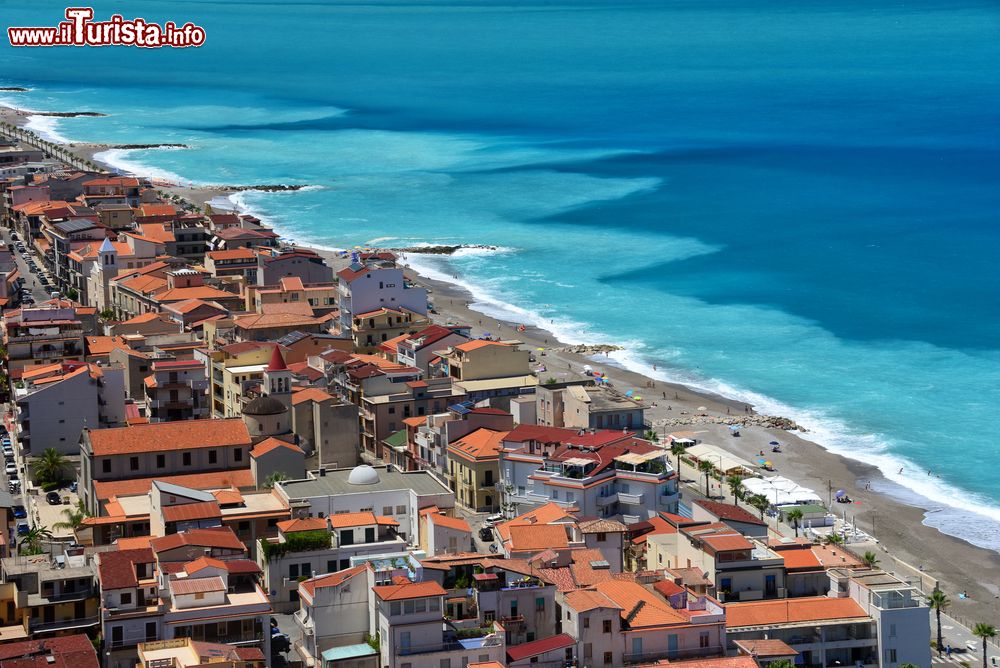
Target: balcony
650 657
631 499
457 645
608 500
63 625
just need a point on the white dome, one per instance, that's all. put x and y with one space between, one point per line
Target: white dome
363 475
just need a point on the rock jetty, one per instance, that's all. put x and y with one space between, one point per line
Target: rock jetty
767 421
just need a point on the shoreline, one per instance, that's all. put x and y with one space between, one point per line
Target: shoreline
898 525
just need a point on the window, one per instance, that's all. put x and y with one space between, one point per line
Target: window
400 510
607 627
126 598
586 622
293 571
892 656
307 570
395 608
106 466
607 658
408 607
238 455
213 457
199 595
331 566
703 639
433 604
387 510
186 459
445 663
420 605
601 537
161 461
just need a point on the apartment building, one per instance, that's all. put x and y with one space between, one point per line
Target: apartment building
47 334
473 469
365 288
161 449
419 349
51 596
743 569
584 405
176 390
84 395
333 613
188 653
274 264
606 473
382 411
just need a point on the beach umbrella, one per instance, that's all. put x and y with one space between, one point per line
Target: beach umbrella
486 335
637 398
774 443
768 463
539 348
735 427
761 461
840 492
701 408
629 393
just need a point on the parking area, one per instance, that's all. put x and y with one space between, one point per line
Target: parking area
37 285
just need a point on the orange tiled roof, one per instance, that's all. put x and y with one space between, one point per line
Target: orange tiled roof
269 444
310 394
450 522
478 343
195 292
102 345
792 610
203 562
582 600
302 524
168 436
480 444
399 592
642 607
188 512
346 520
539 537
106 489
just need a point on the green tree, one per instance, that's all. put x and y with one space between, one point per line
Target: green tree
107 314
51 467
274 479
984 631
31 542
834 539
939 603
781 663
75 516
794 516
735 483
761 503
72 294
706 467
651 436
677 449
870 559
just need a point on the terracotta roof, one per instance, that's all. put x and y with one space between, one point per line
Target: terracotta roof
189 512
197 585
640 606
583 600
542 434
266 320
727 542
303 524
792 611
346 520
539 647
800 558
481 444
600 525
202 563
479 343
234 254
105 489
766 648
168 436
450 522
222 538
727 511
310 394
546 514
194 292
271 444
525 538
74 651
721 662
331 580
399 592
117 567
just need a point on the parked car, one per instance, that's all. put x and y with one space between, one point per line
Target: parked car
11 469
53 499
23 528
19 512
280 642
486 534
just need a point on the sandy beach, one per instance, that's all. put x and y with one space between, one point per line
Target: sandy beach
959 566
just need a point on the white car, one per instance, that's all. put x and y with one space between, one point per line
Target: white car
11 468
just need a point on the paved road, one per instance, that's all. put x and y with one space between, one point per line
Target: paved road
30 280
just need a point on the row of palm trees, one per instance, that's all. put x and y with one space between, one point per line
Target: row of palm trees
940 602
57 150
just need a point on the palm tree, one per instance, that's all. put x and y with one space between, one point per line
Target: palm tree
784 663
870 559
677 450
51 466
794 516
706 467
651 436
939 603
834 539
274 479
760 502
735 483
74 517
984 631
33 540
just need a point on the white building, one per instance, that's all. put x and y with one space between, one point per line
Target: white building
384 491
362 289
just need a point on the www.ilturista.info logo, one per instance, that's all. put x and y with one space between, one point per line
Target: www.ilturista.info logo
81 30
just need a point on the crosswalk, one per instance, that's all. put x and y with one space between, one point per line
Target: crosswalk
953 659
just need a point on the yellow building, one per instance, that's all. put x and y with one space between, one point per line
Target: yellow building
473 469
371 329
233 369
482 359
48 599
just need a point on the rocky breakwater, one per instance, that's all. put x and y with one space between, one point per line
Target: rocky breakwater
590 350
755 420
69 114
440 250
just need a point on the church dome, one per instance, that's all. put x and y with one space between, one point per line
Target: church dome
264 406
363 475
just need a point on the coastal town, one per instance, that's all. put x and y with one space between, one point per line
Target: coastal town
221 447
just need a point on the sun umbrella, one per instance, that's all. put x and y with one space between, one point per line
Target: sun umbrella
774 443
701 408
637 398
735 427
761 461
539 348
841 492
629 393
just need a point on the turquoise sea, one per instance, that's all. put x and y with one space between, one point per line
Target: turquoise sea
792 203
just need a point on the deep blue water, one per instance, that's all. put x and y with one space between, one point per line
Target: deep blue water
796 204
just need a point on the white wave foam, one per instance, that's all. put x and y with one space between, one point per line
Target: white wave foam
46 127
120 160
238 202
834 435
